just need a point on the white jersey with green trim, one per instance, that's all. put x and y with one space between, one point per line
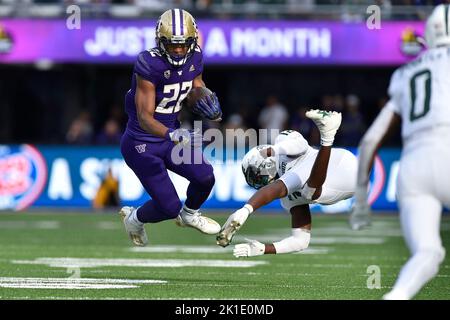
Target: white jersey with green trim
290 149
420 93
295 159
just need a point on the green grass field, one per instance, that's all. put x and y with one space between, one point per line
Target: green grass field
74 255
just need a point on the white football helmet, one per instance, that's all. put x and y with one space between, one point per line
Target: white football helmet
259 171
437 28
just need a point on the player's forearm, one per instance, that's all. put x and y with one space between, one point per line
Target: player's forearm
367 149
199 83
267 194
297 242
152 126
320 168
270 249
366 157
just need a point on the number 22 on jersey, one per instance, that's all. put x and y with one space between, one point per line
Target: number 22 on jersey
174 95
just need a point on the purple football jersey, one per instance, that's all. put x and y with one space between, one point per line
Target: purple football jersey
172 85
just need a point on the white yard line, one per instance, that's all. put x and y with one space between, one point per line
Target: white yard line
209 249
73 283
108 225
93 263
23 224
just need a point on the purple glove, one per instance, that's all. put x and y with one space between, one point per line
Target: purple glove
209 107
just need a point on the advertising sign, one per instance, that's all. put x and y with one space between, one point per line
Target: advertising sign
70 177
223 42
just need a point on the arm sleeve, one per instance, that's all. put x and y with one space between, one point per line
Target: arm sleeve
144 68
292 180
297 242
290 143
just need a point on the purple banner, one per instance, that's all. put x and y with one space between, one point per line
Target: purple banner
223 42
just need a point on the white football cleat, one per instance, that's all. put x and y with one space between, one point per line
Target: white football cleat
135 231
328 122
197 221
231 226
359 222
395 295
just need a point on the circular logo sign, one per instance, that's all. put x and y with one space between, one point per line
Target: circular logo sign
377 180
23 174
6 41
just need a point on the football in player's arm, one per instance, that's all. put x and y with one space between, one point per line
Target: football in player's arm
306 176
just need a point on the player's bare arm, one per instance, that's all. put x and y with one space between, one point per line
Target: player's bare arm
145 105
301 219
268 194
319 171
262 197
373 140
328 124
384 125
162 80
198 82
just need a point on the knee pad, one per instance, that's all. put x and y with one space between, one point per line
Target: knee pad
437 253
432 256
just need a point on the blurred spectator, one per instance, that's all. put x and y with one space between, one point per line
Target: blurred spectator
326 102
110 133
234 122
338 103
302 124
108 193
202 5
201 8
352 127
81 130
273 116
246 111
117 113
156 5
47 1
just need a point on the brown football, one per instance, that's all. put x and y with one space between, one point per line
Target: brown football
196 94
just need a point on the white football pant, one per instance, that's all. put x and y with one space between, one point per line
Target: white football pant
423 188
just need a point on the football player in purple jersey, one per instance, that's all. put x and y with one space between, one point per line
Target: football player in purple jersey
161 80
